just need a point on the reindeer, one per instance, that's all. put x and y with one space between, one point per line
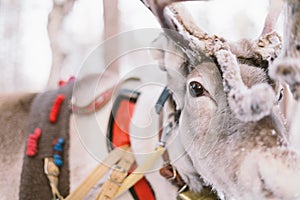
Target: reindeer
240 144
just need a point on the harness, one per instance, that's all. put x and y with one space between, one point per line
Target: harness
120 165
124 174
168 170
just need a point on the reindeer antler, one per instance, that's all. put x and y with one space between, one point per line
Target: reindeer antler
157 7
272 17
248 104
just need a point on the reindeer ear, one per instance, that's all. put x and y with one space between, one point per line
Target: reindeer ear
168 54
159 54
172 59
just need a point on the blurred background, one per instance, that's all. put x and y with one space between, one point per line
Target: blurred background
44 41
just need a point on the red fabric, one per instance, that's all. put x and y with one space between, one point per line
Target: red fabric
63 83
120 136
56 107
143 190
121 124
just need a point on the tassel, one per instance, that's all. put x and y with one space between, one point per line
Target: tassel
32 142
56 108
58 150
62 82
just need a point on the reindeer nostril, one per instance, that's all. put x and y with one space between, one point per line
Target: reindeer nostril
196 89
298 47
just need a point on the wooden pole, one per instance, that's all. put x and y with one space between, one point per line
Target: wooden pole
111 28
55 22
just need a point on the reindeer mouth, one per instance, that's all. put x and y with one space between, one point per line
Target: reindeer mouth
264 190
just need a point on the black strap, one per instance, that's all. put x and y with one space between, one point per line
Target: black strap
162 100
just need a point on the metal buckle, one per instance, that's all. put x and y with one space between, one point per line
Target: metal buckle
120 169
174 174
115 182
182 189
167 129
117 167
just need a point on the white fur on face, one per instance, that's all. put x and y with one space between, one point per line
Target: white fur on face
199 110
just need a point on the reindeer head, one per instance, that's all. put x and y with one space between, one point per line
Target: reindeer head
249 102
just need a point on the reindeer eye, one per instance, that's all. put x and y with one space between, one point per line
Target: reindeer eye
196 89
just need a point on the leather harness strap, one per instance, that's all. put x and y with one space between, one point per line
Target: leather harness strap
172 175
117 175
168 171
139 172
113 157
95 105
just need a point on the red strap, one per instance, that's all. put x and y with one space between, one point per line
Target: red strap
121 124
95 105
143 190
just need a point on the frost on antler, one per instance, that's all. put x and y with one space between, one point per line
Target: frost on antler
260 52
